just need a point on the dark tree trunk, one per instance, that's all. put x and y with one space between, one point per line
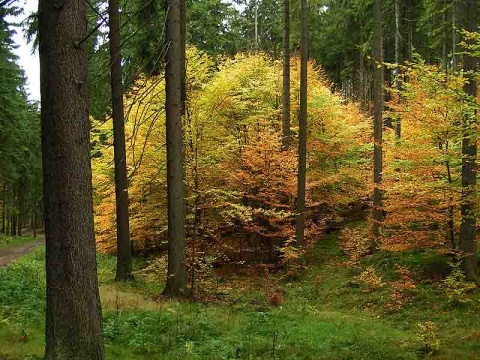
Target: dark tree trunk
286 76
378 125
20 204
302 138
4 207
13 224
398 59
34 222
469 155
183 27
361 70
8 222
124 254
73 310
177 274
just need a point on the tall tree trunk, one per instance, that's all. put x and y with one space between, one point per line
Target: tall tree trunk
454 34
256 24
124 254
286 76
302 138
177 274
14 224
20 202
378 125
444 37
4 206
183 27
361 70
34 225
14 212
73 309
398 59
8 222
469 155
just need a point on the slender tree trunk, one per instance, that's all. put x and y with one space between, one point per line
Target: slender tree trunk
378 125
444 38
73 310
286 76
454 34
361 70
124 254
302 139
4 206
398 59
183 24
14 212
14 224
469 155
256 24
177 275
8 222
20 202
34 223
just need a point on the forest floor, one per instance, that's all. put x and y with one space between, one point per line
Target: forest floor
324 313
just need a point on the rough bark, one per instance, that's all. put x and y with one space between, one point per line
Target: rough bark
378 125
302 138
177 275
124 254
286 76
73 310
469 156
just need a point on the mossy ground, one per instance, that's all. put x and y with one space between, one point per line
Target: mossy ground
325 314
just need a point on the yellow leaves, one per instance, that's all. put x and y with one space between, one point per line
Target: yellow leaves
236 174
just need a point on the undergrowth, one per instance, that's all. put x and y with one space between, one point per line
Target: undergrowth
384 307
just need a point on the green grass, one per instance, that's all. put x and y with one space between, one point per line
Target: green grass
8 242
326 314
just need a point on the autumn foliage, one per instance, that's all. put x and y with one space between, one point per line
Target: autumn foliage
240 185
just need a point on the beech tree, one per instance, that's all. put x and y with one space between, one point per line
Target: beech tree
174 73
73 309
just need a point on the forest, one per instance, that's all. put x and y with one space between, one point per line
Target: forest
240 179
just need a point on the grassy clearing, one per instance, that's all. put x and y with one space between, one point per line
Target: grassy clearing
327 313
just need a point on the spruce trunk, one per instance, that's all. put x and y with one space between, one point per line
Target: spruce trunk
73 310
124 253
302 138
177 274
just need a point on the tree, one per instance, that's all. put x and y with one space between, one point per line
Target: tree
378 125
302 138
73 310
286 76
398 58
469 153
177 275
124 254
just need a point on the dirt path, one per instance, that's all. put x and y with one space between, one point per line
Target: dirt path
8 256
